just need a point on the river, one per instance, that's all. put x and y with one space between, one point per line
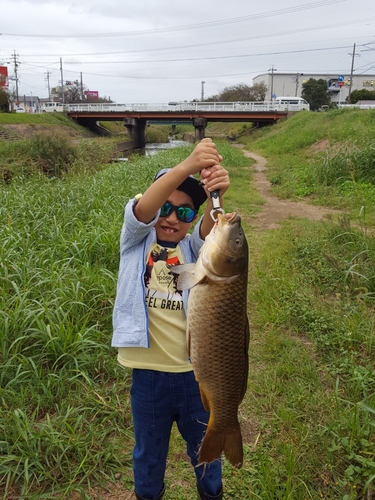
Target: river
153 148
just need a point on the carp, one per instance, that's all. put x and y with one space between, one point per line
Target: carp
218 334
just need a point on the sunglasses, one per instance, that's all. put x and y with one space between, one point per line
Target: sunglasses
184 214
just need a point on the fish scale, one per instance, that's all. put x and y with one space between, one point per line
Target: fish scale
220 367
218 334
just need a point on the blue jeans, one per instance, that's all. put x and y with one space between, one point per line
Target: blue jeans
158 399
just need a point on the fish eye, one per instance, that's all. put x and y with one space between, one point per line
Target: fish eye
238 241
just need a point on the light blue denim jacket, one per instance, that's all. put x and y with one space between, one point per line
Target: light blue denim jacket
130 320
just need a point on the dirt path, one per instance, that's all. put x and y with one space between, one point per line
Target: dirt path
275 209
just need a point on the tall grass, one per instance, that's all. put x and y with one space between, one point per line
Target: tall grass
58 264
65 423
308 283
350 163
328 157
52 155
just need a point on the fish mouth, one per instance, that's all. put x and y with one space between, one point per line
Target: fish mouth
229 217
226 219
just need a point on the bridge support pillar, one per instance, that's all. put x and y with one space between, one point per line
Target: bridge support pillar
136 130
200 125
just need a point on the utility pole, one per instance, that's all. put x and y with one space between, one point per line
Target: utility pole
15 72
202 93
62 82
272 72
351 75
49 90
81 87
297 82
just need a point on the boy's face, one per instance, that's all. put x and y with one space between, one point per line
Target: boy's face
170 228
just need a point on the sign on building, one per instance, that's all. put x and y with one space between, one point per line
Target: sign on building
91 93
3 76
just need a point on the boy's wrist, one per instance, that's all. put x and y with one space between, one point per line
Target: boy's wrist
186 167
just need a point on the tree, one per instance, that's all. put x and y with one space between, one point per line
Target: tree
362 95
240 92
315 92
98 99
4 101
72 92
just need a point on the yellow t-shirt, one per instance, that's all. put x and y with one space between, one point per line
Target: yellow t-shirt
166 318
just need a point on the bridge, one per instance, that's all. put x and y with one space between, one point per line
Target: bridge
136 116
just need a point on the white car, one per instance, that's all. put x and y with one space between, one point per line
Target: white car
20 110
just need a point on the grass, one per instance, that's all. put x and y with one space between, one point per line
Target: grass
308 415
32 119
53 155
327 157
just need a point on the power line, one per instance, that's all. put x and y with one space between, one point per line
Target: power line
252 17
258 54
206 44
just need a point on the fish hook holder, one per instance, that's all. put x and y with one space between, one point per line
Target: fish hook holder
215 205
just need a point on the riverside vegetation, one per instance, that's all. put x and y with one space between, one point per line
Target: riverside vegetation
308 415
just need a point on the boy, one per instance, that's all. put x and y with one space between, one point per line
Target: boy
150 317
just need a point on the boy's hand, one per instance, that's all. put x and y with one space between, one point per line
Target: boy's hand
204 155
215 178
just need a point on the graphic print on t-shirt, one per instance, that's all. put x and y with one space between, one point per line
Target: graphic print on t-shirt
166 316
157 276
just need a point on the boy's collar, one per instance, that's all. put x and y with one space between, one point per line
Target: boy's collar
167 244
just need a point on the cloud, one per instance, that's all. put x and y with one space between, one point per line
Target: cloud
160 51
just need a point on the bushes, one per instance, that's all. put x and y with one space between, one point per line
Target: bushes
347 163
52 155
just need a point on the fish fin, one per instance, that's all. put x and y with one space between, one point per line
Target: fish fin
188 343
211 447
186 281
186 277
214 443
233 449
205 400
247 335
189 268
246 375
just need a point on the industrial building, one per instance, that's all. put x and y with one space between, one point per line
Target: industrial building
290 84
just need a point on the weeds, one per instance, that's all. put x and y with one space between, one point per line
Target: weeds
65 422
53 156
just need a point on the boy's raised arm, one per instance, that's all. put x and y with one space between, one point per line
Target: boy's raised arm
204 156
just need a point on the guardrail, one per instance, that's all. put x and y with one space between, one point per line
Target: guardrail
184 106
360 106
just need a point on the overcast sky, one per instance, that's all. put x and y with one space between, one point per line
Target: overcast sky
158 51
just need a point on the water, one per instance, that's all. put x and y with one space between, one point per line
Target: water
153 148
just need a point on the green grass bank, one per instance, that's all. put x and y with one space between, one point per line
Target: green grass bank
308 415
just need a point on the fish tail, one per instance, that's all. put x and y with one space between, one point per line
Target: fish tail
233 449
214 443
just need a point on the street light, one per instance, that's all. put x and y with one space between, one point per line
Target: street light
202 93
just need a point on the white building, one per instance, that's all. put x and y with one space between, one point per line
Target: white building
290 84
